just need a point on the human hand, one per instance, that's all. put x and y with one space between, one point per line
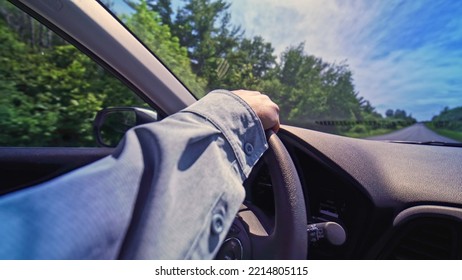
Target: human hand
266 110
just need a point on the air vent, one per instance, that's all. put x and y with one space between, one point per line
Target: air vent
426 238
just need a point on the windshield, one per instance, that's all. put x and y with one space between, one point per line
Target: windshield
381 70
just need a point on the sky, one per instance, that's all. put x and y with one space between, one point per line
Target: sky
403 54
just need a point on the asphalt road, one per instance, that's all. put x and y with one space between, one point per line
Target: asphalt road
417 132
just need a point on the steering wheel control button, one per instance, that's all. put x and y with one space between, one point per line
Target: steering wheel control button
217 224
231 250
248 148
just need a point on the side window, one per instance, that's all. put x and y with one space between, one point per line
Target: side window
50 92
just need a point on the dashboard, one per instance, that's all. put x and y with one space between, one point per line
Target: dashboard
394 201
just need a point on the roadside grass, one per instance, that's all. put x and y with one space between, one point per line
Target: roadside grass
368 133
455 135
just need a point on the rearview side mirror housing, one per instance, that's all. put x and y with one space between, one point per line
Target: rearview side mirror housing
110 124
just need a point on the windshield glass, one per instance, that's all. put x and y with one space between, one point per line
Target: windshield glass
381 70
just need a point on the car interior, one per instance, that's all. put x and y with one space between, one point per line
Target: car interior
319 196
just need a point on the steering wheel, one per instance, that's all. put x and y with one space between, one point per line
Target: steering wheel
249 237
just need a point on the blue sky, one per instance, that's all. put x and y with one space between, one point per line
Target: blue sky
403 54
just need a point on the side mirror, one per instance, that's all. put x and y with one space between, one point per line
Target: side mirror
110 124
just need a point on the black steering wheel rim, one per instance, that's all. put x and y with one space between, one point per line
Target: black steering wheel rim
288 238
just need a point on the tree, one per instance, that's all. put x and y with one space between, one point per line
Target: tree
147 25
259 54
217 52
164 9
203 27
28 29
450 119
400 114
389 113
314 89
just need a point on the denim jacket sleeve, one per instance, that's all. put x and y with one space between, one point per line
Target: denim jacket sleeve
170 190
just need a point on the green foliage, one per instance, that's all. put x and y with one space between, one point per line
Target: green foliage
203 27
449 119
146 24
453 134
245 67
398 118
48 101
164 9
259 54
367 132
50 94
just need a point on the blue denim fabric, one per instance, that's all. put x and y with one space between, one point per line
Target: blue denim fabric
170 191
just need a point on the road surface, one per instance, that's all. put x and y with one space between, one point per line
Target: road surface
417 132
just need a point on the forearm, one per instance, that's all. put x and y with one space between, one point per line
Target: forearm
211 148
156 196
